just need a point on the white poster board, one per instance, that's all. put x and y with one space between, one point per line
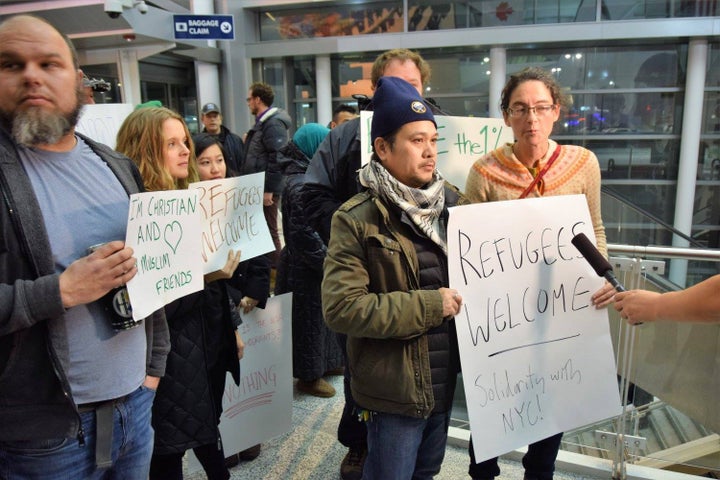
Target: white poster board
536 356
101 121
462 140
163 233
261 407
233 218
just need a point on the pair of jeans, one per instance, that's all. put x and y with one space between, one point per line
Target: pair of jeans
539 461
401 447
65 458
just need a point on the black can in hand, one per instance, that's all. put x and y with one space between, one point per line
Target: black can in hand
117 304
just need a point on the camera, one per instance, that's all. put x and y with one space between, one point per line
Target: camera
113 8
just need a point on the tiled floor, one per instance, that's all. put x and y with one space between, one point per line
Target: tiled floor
311 450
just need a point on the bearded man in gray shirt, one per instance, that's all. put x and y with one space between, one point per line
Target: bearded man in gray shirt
75 393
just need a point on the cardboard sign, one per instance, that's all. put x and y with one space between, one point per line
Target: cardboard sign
101 121
261 407
462 140
233 219
536 356
163 232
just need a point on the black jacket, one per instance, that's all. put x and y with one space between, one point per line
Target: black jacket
188 404
263 141
315 347
35 398
233 147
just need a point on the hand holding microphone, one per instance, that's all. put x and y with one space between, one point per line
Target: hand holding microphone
601 266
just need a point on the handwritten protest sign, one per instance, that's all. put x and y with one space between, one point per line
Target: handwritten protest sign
102 121
536 355
163 232
462 140
261 407
232 209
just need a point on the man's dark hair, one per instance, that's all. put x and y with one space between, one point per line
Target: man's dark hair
343 107
263 91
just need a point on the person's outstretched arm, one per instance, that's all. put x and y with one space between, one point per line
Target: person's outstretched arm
699 304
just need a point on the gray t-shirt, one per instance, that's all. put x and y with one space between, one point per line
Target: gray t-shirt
84 204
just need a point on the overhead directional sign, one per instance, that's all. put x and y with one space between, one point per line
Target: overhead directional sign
204 27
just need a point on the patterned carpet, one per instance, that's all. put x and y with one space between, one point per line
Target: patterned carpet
311 450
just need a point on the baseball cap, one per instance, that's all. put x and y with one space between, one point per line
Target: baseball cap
210 107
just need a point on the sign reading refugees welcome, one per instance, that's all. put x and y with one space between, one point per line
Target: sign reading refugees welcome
536 355
232 210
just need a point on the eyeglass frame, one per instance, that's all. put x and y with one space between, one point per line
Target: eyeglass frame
522 111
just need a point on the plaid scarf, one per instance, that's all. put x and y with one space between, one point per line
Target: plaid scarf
422 205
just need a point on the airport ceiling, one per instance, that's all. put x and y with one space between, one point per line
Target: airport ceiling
92 29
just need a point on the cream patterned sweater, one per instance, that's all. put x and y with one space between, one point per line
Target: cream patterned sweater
499 175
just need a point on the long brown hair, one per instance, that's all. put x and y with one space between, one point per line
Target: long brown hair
141 138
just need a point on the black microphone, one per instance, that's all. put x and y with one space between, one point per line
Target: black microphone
601 266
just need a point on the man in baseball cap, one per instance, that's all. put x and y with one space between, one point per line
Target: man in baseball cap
233 146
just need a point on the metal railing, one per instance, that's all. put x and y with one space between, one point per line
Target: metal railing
663 359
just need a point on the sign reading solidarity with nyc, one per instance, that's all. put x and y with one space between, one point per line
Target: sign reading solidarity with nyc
536 355
233 218
163 233
461 141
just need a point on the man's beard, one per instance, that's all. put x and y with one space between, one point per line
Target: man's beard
36 126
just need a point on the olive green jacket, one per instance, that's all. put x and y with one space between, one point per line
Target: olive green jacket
370 292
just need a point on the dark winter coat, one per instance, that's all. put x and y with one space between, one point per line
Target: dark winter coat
233 148
187 408
269 134
315 348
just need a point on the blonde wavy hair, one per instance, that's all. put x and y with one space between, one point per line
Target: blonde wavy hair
141 139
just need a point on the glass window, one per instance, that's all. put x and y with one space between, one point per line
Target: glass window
305 112
607 68
304 78
339 20
273 75
622 114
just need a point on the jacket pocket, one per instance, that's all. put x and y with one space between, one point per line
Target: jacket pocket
387 269
383 370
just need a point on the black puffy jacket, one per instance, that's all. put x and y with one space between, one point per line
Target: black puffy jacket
186 410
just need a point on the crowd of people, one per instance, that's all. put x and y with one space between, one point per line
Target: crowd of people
364 254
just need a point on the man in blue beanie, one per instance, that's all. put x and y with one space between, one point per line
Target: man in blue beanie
330 180
385 286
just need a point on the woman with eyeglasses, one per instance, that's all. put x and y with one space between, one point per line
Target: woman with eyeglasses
536 166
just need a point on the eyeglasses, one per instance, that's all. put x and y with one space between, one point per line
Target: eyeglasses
538 110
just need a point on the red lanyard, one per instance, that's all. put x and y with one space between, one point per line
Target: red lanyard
539 176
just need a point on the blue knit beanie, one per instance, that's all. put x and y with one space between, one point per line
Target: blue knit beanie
309 137
396 103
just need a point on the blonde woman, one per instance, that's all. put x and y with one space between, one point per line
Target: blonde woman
186 408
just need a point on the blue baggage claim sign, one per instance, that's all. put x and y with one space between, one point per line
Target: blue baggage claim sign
204 27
